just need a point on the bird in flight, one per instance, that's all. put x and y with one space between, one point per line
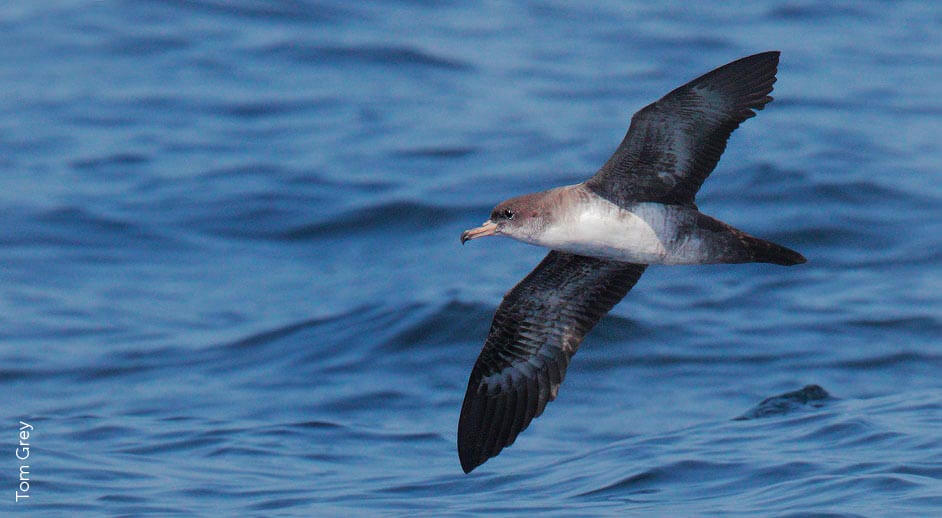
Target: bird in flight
637 210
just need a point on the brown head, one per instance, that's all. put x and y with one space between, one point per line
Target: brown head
520 218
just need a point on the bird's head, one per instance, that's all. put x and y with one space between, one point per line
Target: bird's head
520 218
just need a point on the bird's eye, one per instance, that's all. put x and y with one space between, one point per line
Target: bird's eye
509 214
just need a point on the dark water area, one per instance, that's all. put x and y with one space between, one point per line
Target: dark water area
231 281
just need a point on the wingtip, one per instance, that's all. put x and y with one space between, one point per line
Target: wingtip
467 465
469 456
768 55
469 436
763 62
785 257
773 54
791 257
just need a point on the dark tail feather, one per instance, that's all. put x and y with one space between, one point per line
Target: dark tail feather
768 252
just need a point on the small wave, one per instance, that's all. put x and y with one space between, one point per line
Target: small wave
146 45
111 160
267 337
378 219
261 108
436 152
78 227
453 321
833 236
103 433
364 55
290 12
171 445
817 12
810 396
681 472
897 359
917 325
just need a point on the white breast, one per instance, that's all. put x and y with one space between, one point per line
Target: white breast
602 229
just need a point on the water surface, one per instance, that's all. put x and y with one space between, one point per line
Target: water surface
231 281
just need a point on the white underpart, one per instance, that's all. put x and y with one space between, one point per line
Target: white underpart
645 234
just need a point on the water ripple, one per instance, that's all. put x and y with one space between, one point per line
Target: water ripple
232 284
364 55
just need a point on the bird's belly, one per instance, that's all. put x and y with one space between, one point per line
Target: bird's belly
641 236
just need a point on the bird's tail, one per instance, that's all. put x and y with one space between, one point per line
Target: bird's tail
768 252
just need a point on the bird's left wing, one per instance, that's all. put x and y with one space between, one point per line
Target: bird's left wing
673 144
536 330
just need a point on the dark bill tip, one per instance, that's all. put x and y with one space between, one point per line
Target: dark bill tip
489 228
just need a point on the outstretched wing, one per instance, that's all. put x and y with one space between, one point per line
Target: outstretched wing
535 332
673 144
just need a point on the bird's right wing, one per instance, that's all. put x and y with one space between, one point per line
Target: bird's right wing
536 330
673 144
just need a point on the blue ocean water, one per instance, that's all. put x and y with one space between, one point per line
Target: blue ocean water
231 281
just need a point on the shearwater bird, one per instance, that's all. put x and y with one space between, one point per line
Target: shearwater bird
637 210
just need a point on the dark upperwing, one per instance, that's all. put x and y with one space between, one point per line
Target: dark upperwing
536 330
673 144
